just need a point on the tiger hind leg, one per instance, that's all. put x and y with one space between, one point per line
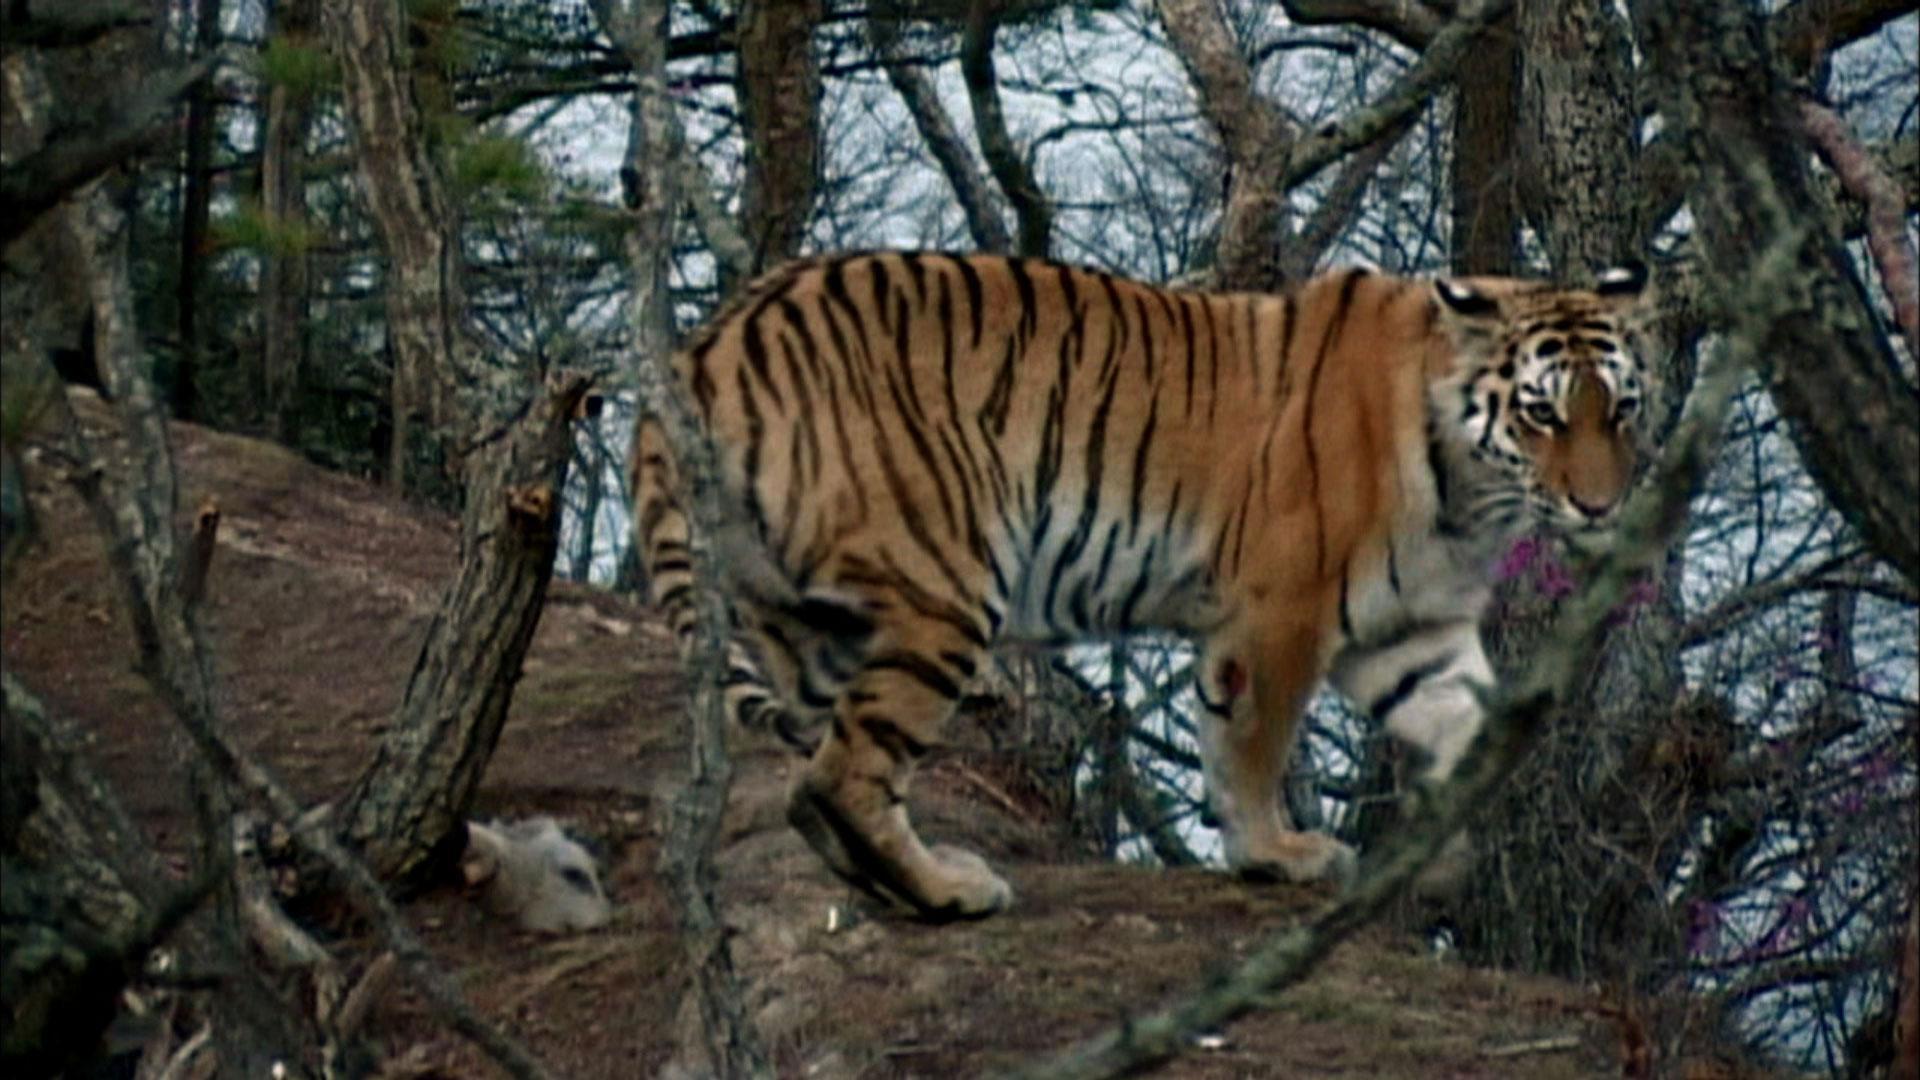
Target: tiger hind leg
850 801
663 530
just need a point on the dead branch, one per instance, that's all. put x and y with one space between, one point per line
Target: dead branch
970 189
1402 99
1862 177
359 1002
199 558
1030 206
1553 1045
1515 719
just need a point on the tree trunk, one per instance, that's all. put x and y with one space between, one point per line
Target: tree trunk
1255 223
407 809
195 204
416 221
717 1037
283 199
1577 133
778 86
1485 222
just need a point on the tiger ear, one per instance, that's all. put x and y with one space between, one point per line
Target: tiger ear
1464 300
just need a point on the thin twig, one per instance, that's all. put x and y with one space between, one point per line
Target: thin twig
1554 1045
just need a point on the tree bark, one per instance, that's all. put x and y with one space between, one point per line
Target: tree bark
1255 223
283 199
778 87
406 810
196 201
1485 220
1577 133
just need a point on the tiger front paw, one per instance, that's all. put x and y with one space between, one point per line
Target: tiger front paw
1295 857
971 889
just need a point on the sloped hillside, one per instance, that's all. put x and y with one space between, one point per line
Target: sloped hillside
321 591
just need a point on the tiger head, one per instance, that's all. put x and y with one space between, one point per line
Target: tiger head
1548 393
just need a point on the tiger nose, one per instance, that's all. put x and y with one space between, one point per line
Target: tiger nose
1588 510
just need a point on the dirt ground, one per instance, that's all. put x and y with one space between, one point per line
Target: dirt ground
321 591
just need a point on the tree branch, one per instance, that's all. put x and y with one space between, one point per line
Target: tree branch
1030 206
1403 99
1886 217
1257 138
1409 22
1808 29
38 182
949 150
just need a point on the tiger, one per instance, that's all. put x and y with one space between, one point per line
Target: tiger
922 456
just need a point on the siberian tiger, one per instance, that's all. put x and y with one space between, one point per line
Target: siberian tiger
927 454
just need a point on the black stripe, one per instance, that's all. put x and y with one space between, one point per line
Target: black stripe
1022 284
1213 346
913 425
1346 615
892 738
1142 447
1095 458
976 304
1139 588
1283 376
920 669
1384 705
1336 321
1185 318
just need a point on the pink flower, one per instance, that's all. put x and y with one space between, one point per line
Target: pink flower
1642 593
1553 579
1519 558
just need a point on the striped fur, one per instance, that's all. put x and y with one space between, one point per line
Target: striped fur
931 453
